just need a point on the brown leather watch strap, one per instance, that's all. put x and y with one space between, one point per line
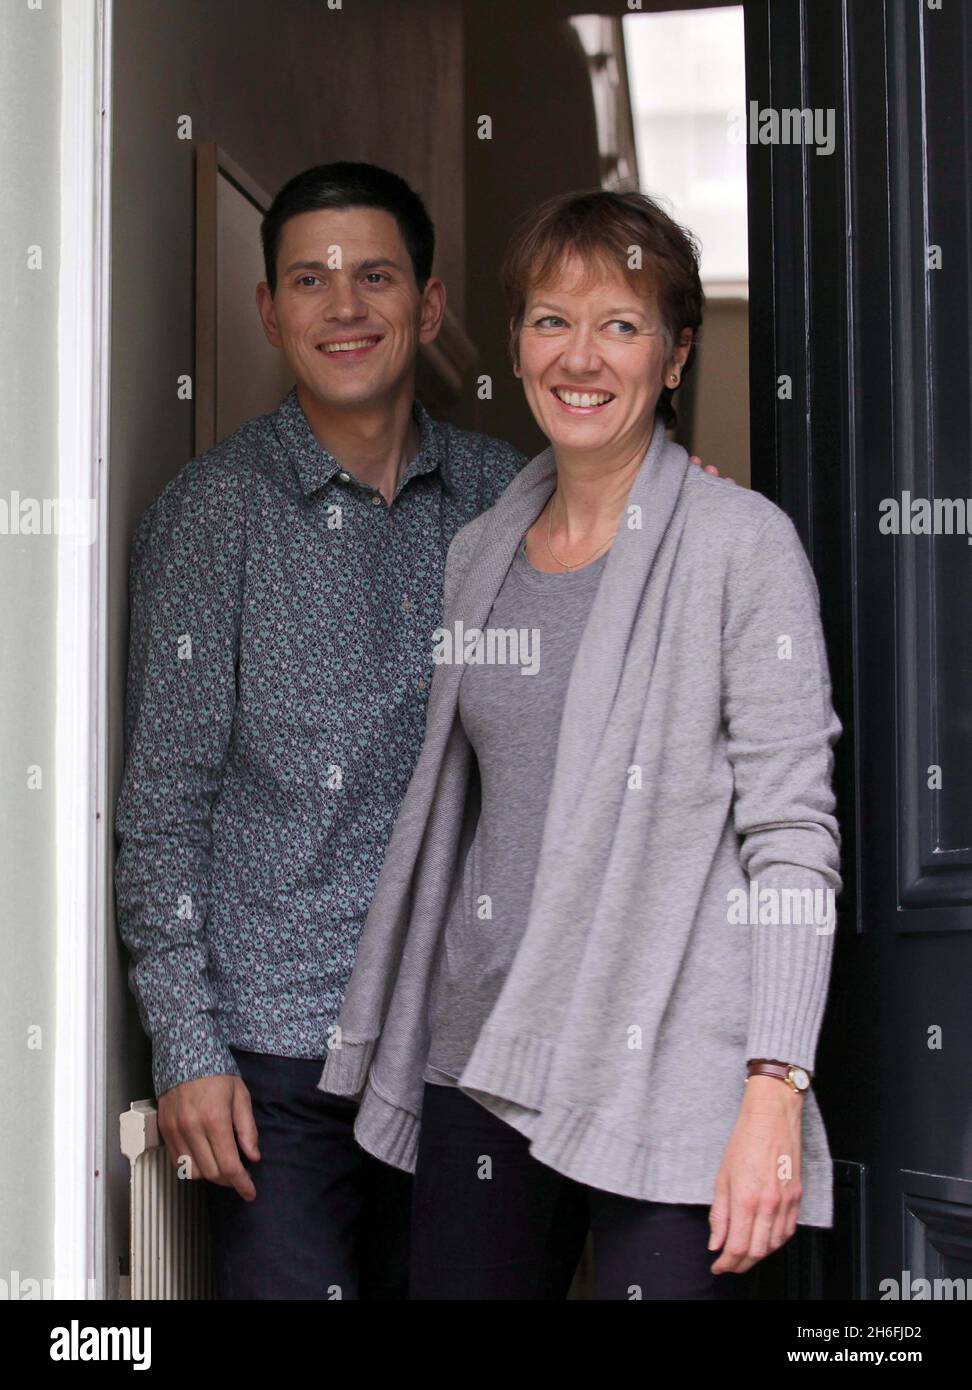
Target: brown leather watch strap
761 1066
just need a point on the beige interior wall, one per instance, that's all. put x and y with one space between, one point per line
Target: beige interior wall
720 425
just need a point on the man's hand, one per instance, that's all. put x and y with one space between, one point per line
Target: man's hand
710 468
202 1121
755 1209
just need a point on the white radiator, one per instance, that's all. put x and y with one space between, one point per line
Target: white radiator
168 1242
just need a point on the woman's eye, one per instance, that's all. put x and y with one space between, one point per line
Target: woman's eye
623 327
548 321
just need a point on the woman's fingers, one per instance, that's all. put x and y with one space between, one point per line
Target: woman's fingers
735 1251
719 1213
786 1218
761 1237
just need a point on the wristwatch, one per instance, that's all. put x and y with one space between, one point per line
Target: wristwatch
795 1077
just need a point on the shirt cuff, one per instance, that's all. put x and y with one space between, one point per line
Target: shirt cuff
190 1053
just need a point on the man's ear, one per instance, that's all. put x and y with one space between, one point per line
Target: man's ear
268 314
432 310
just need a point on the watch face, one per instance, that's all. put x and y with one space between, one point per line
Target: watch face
799 1078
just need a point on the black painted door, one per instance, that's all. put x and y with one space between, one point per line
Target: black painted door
861 330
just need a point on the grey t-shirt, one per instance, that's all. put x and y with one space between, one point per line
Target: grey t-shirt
511 711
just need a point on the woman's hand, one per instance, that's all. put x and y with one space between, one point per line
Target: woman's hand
758 1189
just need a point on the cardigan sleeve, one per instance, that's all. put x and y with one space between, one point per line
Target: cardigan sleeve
776 701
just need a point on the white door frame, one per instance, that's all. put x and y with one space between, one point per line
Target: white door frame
81 650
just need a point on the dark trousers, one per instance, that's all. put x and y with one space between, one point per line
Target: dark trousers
489 1221
328 1220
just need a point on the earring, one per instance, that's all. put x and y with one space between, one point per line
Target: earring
675 378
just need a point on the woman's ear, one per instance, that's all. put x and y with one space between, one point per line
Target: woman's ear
684 346
672 375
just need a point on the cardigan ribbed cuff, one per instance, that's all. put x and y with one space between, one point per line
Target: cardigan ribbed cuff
791 971
346 1068
386 1130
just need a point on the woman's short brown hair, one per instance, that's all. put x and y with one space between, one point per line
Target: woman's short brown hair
605 228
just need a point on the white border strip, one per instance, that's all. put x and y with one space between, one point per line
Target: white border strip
80 652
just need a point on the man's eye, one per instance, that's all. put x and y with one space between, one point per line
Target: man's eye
302 280
375 277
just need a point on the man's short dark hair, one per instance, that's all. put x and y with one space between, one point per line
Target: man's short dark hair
346 185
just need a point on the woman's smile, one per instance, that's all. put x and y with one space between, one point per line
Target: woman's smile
577 401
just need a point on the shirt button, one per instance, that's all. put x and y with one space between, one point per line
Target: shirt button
345 477
407 605
376 500
422 683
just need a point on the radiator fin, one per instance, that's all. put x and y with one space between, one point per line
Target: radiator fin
170 1255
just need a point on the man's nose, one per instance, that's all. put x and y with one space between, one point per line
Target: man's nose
344 301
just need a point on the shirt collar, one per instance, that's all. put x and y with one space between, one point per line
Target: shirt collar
316 466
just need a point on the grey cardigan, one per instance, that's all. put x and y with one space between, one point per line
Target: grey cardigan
693 776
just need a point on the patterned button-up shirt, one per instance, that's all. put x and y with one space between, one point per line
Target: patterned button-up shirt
281 656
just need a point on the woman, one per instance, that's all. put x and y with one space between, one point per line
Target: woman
590 986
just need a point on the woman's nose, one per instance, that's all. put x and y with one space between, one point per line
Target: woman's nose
580 353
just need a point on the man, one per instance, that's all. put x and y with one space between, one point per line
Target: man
284 590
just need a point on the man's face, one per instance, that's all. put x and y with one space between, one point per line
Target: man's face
348 314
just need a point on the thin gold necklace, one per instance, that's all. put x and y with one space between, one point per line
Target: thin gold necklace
580 563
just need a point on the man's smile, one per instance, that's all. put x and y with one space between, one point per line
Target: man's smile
350 349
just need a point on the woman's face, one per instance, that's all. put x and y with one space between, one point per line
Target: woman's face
593 362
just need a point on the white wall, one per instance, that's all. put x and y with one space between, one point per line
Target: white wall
30 59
